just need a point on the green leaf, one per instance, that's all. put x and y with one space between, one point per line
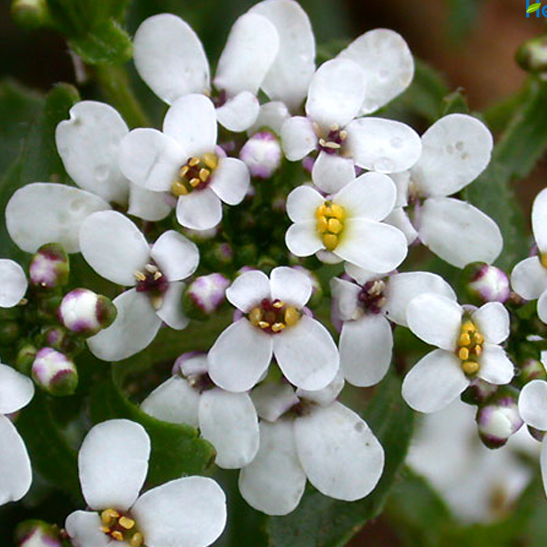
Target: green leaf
533 7
455 103
176 449
325 522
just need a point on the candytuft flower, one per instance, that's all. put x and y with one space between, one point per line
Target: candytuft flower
13 283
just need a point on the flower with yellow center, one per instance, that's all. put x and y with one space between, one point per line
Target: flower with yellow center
468 345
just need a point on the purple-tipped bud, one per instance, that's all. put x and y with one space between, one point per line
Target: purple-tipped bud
54 372
487 283
84 312
262 154
205 295
478 392
37 533
49 267
532 369
498 421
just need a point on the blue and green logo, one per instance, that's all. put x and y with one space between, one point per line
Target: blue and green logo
535 7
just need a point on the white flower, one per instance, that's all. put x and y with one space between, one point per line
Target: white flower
468 347
13 283
116 249
455 151
529 277
274 324
366 309
16 391
346 225
324 442
227 420
185 161
113 464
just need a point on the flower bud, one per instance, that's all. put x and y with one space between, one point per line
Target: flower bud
54 372
219 255
30 13
37 533
25 358
9 332
84 312
478 392
205 295
532 55
262 154
498 421
532 369
49 267
486 283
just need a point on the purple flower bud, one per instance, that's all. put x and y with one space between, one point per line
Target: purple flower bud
479 392
262 154
84 312
487 283
205 295
37 533
54 372
532 369
498 421
49 267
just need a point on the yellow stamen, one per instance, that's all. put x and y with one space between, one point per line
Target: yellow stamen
194 182
151 268
463 354
477 350
343 135
204 174
330 241
263 324
321 211
183 170
126 523
470 367
118 536
210 160
136 540
468 326
192 162
465 339
255 316
322 224
278 305
276 327
478 338
337 211
291 316
139 276
178 189
157 275
105 529
335 226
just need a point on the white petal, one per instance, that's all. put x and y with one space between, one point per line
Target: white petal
455 151
302 203
434 382
151 159
365 350
176 256
539 222
360 275
399 219
529 278
371 196
84 529
42 213
273 400
403 287
187 512
148 205
239 113
345 298
134 328
290 286
533 404
496 367
292 69
307 354
302 238
386 63
88 144
171 311
169 57
250 50
458 232
240 356
543 465
372 245
327 395
16 390
229 422
248 290
16 475
113 463
230 181
492 320
199 210
542 307
339 453
435 319
113 246
274 482
382 145
298 138
272 115
174 401
336 93
331 172
13 283
192 122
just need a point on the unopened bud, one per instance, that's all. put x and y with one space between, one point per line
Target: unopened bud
532 55
25 357
532 369
9 332
498 421
487 283
479 392
37 533
205 295
49 267
262 154
84 312
219 255
54 372
30 13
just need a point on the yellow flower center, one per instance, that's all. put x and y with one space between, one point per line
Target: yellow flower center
330 224
273 317
543 259
121 528
194 174
469 348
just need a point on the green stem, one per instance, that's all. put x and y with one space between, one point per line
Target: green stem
499 114
115 85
